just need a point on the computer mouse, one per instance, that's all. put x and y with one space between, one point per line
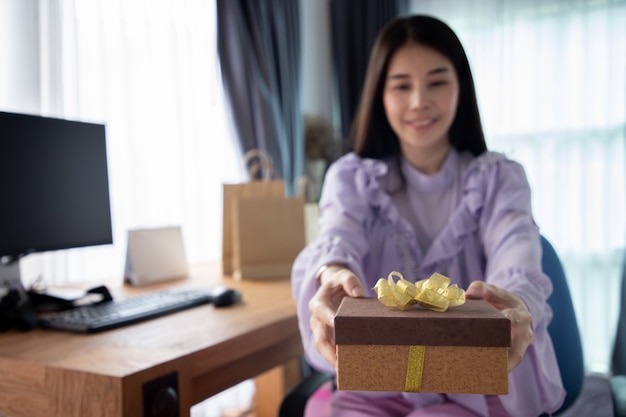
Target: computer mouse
224 297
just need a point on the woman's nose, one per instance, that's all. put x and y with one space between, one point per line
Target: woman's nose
418 98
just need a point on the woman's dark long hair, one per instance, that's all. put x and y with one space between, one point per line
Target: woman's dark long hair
371 133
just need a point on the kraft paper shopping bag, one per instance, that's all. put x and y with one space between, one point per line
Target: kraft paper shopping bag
263 231
236 192
268 234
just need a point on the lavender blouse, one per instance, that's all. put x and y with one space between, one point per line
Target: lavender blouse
470 221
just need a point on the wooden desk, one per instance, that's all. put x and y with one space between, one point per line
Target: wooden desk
46 373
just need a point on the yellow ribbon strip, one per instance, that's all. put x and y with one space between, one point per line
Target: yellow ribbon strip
414 369
434 293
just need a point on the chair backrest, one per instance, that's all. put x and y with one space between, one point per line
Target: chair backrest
618 358
564 327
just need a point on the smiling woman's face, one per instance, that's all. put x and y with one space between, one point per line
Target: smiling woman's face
420 97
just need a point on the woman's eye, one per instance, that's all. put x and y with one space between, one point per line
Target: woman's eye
401 87
438 83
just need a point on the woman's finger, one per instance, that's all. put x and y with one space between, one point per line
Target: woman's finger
496 296
321 308
514 308
323 336
336 277
336 282
522 335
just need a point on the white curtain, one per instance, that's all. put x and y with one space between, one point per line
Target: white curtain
551 83
149 70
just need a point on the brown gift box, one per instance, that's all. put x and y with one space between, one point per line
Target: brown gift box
463 350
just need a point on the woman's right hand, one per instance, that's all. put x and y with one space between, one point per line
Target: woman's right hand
336 282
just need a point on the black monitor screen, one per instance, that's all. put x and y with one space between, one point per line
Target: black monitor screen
54 189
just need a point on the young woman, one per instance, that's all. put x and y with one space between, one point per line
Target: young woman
421 194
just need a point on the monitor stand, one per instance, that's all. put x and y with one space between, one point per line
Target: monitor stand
10 273
16 310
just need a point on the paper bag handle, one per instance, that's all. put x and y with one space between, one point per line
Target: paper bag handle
259 163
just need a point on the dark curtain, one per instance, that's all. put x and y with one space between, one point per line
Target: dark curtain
355 25
258 44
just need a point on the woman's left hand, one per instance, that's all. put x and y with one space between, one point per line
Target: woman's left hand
515 310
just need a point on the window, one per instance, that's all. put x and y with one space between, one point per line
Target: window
149 70
551 81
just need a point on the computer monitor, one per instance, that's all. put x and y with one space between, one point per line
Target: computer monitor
54 187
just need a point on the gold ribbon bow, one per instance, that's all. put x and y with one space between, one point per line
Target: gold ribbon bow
434 293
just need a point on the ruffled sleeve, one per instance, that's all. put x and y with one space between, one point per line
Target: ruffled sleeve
513 252
350 195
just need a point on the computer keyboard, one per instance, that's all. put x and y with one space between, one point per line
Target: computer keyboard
117 313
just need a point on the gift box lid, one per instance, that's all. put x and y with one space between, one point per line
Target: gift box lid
366 321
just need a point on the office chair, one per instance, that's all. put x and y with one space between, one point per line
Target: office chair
563 329
618 358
